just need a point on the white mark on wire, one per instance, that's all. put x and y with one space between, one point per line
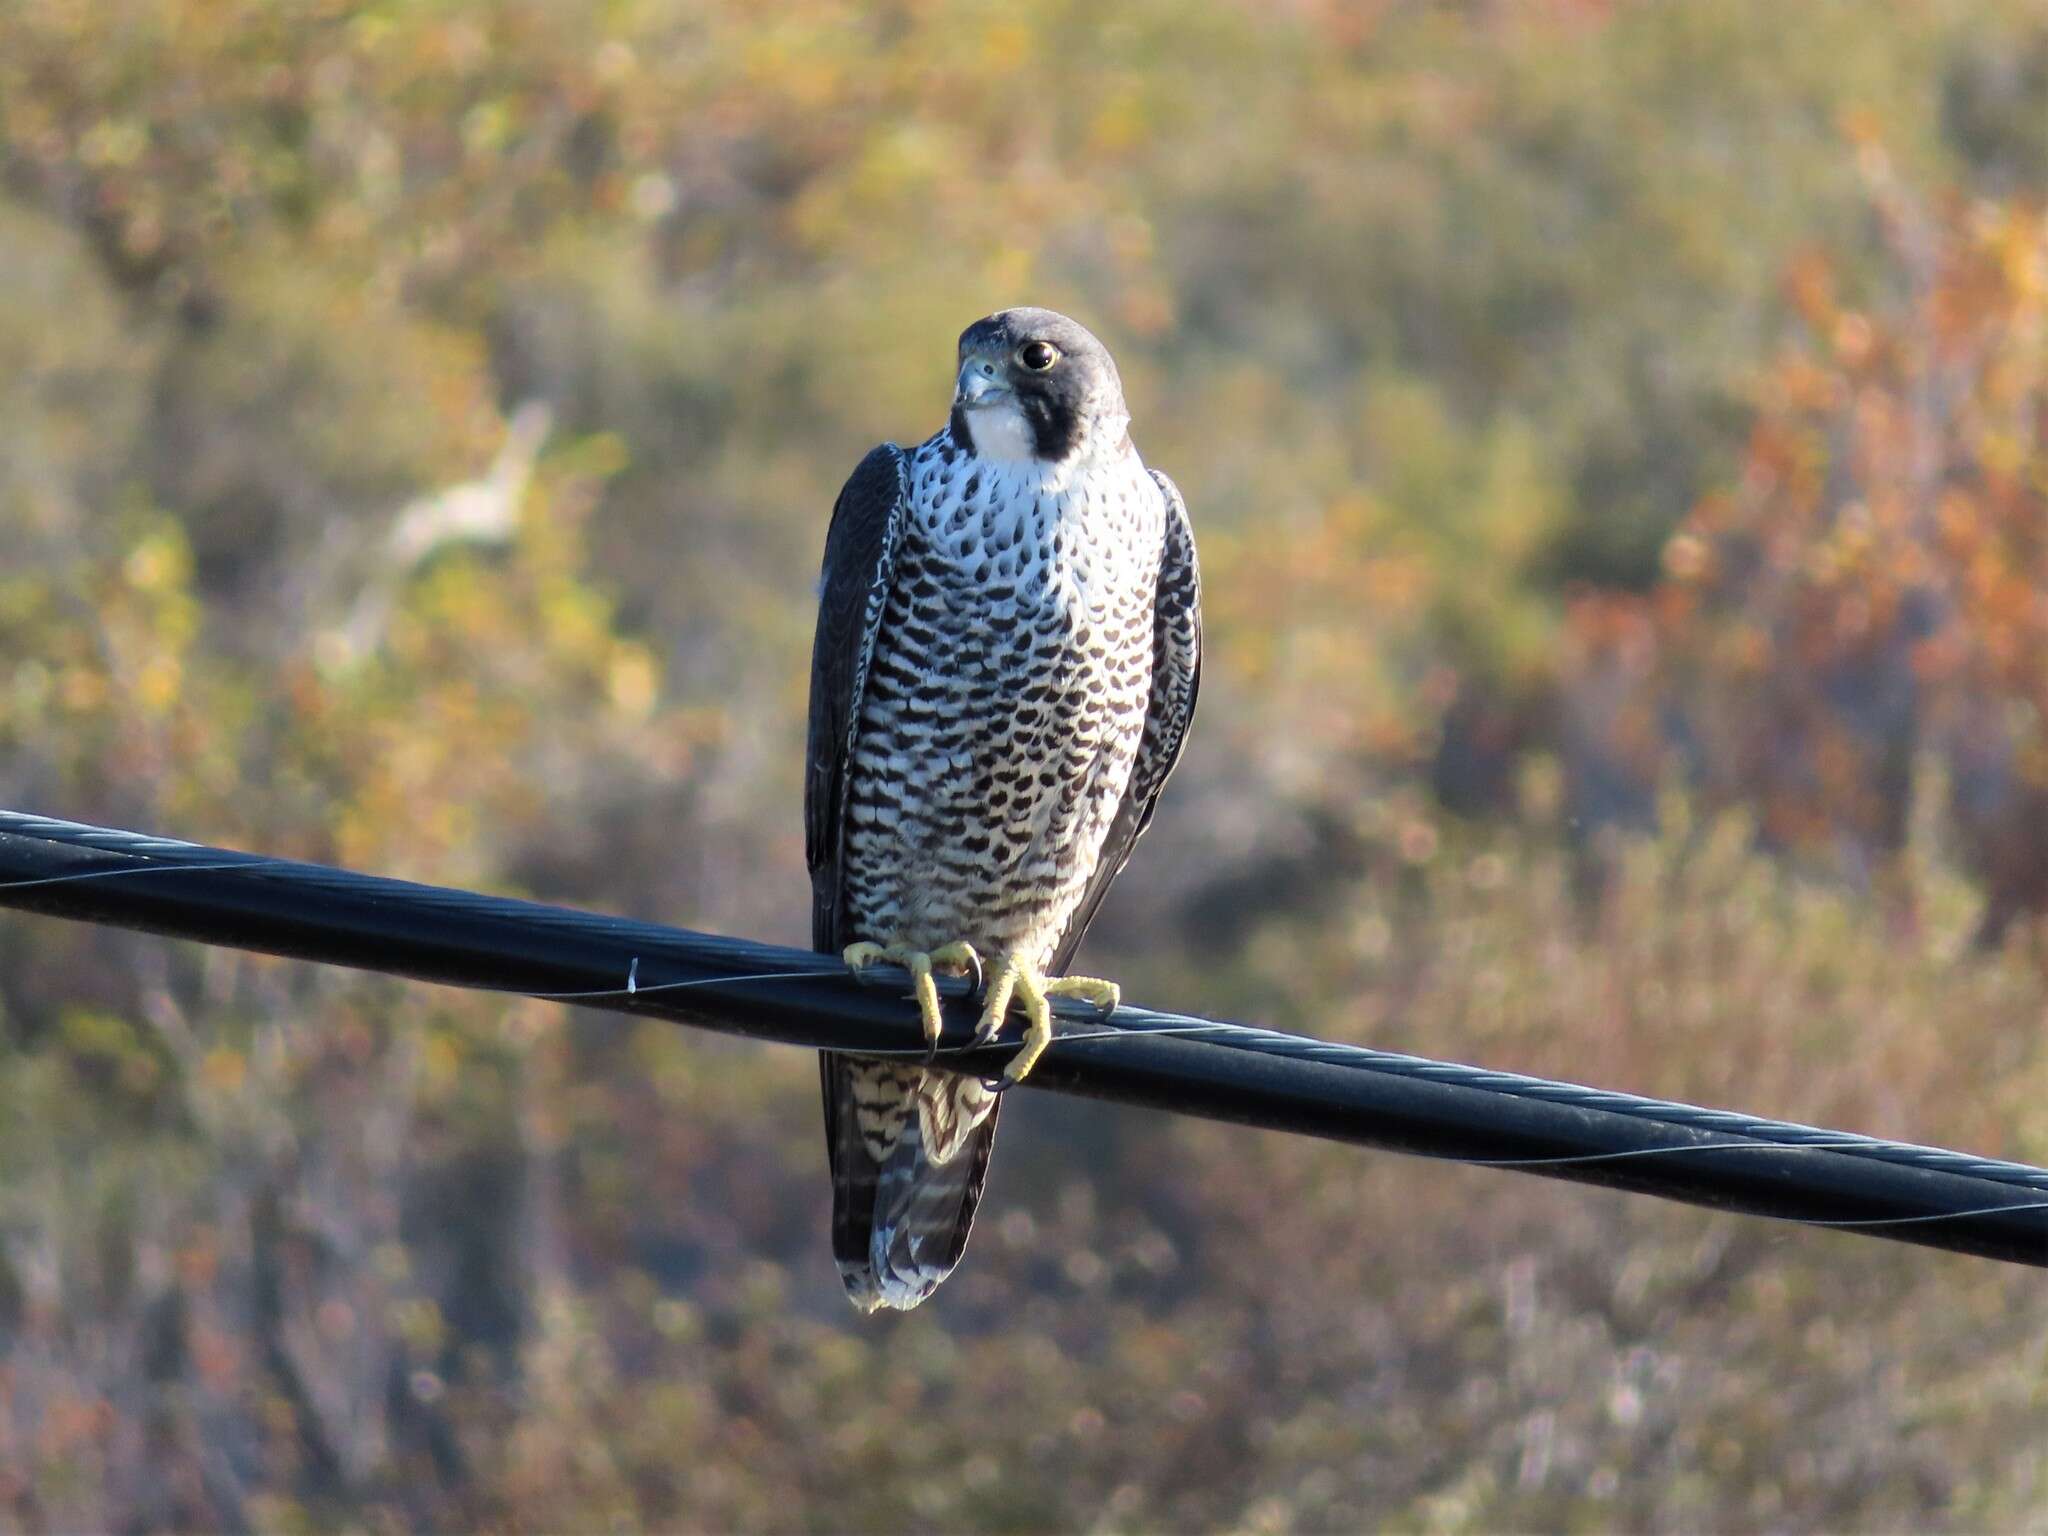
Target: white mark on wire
632 989
130 869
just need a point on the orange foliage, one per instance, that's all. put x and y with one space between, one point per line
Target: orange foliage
1875 585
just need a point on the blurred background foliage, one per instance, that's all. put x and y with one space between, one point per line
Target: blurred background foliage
1618 435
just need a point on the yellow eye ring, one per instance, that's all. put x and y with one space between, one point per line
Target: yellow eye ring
1038 356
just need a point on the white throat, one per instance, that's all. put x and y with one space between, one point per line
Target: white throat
1001 432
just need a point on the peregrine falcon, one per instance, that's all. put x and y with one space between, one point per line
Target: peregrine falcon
1007 653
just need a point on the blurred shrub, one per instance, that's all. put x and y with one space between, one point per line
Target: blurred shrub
1865 601
419 423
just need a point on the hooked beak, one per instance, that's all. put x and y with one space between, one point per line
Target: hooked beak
980 384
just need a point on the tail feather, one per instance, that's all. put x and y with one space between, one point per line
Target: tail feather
900 1221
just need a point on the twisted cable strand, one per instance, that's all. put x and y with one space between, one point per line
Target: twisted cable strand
716 962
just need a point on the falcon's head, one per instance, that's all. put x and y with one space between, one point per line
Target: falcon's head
1035 385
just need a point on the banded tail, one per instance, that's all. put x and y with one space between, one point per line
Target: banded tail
909 1150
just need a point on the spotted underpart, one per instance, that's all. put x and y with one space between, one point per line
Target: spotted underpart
1004 708
1006 664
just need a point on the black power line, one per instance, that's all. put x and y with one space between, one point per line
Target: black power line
1168 1061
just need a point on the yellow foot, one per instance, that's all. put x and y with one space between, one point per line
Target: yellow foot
958 957
1035 990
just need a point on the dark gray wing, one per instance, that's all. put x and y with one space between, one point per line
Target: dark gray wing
898 1226
853 587
1176 677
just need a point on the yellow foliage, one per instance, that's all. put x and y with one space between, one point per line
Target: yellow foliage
419 422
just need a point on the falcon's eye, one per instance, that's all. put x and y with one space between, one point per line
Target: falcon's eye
1038 356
